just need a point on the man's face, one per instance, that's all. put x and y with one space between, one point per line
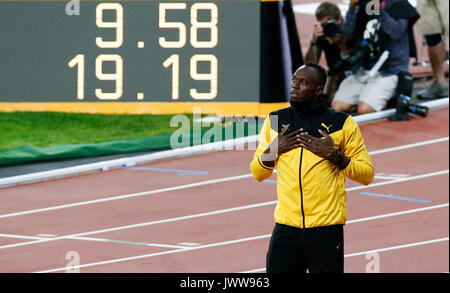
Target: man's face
304 85
325 18
322 20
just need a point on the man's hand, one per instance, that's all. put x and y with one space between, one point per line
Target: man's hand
321 147
280 145
317 32
353 3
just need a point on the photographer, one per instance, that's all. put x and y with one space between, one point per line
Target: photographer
433 24
376 31
326 37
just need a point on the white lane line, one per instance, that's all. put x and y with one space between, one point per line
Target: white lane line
186 245
375 250
47 235
398 180
185 186
261 236
212 212
253 271
392 177
20 236
246 239
234 242
216 212
130 195
161 253
398 213
397 247
189 244
408 146
126 242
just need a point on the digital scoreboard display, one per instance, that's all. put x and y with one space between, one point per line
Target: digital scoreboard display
145 53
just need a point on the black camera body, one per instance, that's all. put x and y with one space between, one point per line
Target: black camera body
331 28
403 94
363 52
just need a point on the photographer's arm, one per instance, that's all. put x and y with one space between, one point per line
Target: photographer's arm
313 54
314 51
349 25
396 29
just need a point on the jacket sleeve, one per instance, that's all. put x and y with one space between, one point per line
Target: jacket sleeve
259 171
360 168
349 25
396 29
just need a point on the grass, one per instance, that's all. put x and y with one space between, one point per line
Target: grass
44 129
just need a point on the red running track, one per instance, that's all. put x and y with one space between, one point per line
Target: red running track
128 220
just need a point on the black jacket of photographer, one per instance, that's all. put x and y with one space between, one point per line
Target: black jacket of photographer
390 29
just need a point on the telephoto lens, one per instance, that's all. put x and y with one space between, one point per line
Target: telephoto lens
401 112
404 107
418 110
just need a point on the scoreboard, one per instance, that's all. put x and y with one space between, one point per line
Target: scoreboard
142 56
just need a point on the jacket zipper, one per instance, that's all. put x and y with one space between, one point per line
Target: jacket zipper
301 189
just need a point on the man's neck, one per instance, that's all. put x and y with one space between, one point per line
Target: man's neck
308 107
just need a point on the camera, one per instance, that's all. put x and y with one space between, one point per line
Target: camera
403 100
363 52
331 28
404 107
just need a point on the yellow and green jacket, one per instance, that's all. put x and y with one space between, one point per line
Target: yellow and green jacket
311 189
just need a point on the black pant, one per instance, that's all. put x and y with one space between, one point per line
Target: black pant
295 250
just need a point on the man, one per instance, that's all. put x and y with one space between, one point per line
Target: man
316 149
433 24
363 92
326 37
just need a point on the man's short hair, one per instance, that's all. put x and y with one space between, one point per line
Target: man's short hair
328 9
321 73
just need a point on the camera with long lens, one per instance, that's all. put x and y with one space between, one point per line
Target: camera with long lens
331 28
364 51
403 99
404 107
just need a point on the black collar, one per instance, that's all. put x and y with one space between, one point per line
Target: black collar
310 110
